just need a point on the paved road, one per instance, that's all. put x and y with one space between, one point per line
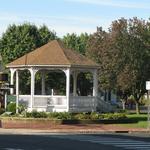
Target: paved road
73 142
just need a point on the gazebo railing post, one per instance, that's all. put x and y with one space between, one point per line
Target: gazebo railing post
75 74
33 72
43 82
67 72
12 72
17 90
95 87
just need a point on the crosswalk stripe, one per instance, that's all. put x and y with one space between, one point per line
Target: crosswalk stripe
117 142
137 148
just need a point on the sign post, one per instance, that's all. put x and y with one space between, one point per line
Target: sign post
148 111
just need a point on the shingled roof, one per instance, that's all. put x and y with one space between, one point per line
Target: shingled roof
54 54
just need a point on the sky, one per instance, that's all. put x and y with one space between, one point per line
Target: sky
70 16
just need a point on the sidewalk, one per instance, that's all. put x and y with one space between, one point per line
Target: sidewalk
76 129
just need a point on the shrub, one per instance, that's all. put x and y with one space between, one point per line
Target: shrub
60 115
35 114
81 116
53 115
21 108
65 116
94 116
2 110
11 107
115 116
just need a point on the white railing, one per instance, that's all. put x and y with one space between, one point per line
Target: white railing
104 106
76 103
42 100
25 99
85 103
46 100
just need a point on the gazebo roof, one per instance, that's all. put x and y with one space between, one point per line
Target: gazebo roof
53 54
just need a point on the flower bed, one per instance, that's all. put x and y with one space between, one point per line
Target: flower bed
42 120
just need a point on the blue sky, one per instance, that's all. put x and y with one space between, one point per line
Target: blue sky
68 16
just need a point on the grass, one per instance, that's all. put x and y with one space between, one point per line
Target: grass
140 121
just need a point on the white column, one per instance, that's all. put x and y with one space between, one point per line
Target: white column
67 87
17 90
5 100
33 72
95 87
43 82
95 83
75 83
12 71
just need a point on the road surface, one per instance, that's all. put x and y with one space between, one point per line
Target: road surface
73 142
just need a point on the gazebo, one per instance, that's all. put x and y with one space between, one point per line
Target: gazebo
53 56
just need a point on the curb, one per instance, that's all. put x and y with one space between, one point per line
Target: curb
61 131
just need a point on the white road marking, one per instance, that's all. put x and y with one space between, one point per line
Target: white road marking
117 142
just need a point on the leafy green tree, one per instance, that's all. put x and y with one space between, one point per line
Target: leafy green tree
76 42
101 48
123 54
46 35
135 60
79 44
20 39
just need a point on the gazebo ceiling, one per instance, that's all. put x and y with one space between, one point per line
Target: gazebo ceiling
53 54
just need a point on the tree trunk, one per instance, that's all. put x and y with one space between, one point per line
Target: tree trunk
137 108
123 105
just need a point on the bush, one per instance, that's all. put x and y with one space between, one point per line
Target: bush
53 115
95 116
61 115
2 110
11 107
64 116
115 116
35 114
81 116
21 108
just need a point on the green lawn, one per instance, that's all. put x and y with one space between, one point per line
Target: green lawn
140 121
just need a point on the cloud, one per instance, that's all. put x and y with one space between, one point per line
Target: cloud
64 29
116 3
8 17
62 19
62 25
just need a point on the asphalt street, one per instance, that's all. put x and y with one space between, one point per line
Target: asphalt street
74 142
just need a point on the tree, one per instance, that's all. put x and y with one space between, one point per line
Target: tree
139 59
21 39
135 71
123 54
46 35
75 42
79 44
101 49
18 40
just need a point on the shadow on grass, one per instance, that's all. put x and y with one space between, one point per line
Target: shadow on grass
109 121
137 119
131 118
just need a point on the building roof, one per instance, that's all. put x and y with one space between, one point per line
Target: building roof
54 54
